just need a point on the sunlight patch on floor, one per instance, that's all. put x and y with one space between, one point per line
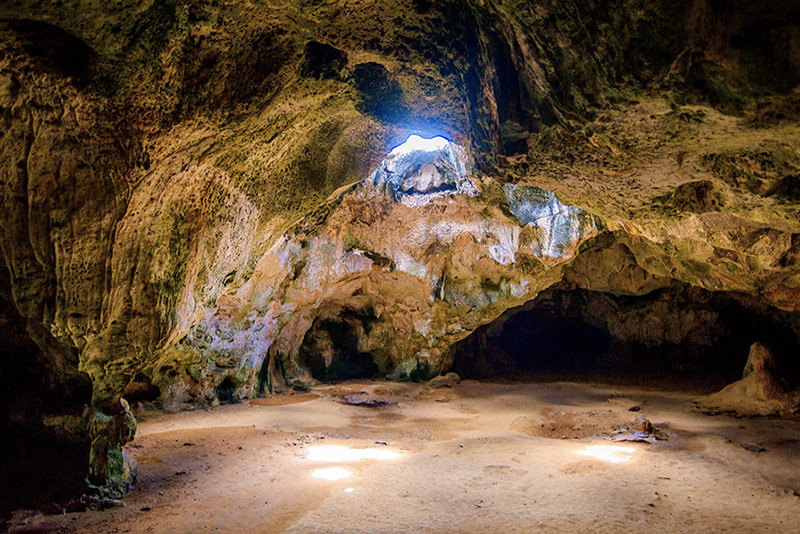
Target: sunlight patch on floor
609 453
331 473
341 454
338 453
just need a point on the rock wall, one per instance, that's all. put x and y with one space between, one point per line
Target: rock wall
43 402
174 217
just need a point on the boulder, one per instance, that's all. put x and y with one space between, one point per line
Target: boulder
445 381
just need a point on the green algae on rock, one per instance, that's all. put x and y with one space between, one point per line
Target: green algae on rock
175 206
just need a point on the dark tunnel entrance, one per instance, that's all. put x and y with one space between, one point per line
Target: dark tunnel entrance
545 340
676 338
331 351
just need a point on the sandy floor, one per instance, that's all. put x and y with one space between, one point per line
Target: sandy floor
475 458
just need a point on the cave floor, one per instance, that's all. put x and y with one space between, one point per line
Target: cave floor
478 457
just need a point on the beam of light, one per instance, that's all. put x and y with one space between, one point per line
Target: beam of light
331 473
416 143
609 453
336 453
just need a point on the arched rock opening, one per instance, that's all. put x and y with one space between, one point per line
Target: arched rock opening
225 391
679 337
331 350
141 390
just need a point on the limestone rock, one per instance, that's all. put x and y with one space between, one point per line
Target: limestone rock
448 380
760 392
698 197
760 359
321 60
381 94
183 199
643 425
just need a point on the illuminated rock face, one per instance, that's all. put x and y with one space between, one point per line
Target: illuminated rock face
392 276
560 227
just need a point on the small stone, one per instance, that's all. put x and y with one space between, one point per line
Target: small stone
642 424
753 447
107 503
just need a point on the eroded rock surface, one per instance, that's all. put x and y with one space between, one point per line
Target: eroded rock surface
175 210
381 284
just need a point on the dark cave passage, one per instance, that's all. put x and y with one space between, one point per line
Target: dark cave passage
226 390
37 381
677 338
331 352
545 340
141 390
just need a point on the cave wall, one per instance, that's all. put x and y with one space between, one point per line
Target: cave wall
43 403
166 169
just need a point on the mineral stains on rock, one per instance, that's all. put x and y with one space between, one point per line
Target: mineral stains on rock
201 202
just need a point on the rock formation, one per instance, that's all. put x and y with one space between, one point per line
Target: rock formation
761 391
201 202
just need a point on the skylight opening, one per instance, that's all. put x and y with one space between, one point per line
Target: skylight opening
415 143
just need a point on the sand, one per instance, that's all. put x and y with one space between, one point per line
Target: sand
475 458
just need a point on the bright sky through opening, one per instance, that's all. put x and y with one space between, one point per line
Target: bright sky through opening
416 143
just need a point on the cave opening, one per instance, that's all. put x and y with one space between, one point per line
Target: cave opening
225 391
680 338
141 390
331 350
416 143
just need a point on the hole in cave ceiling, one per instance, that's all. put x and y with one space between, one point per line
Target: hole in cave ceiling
415 143
421 169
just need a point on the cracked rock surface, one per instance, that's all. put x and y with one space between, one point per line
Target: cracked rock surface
198 201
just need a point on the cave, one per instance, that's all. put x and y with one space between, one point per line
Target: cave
330 350
225 391
396 267
680 337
